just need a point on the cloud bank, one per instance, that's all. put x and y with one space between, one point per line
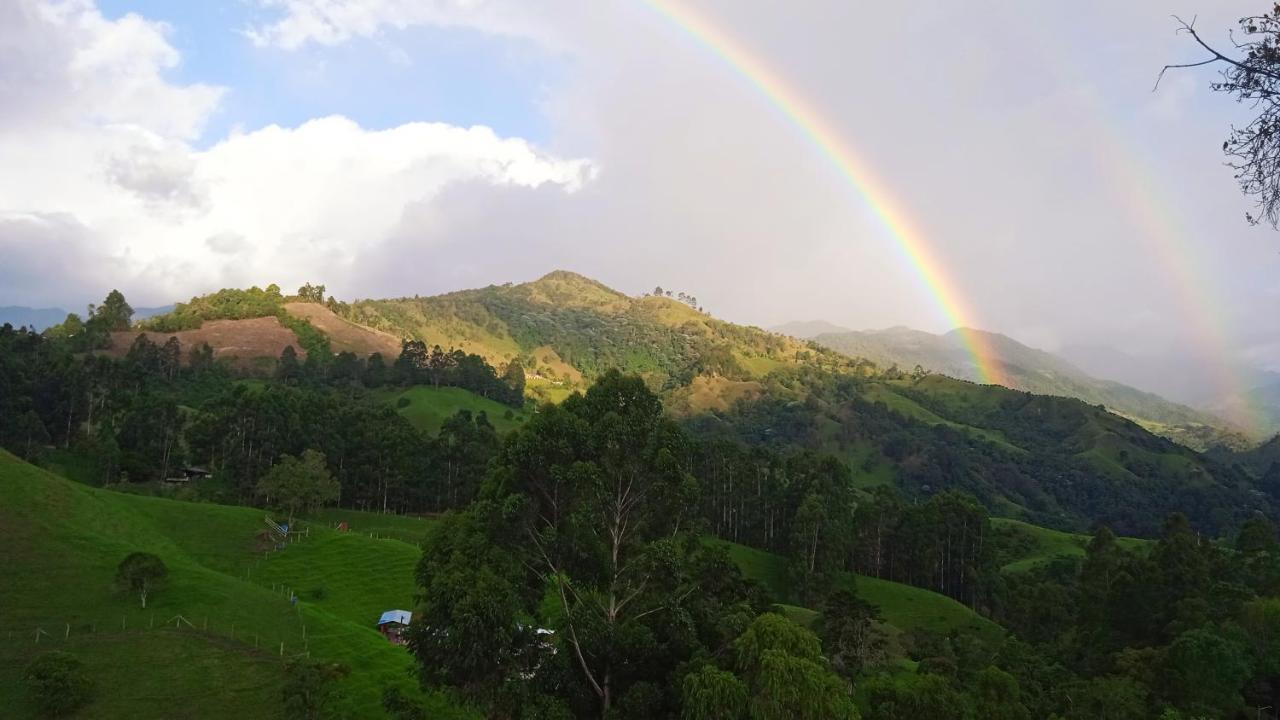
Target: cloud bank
98 171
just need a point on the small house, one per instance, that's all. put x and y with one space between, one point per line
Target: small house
187 474
392 625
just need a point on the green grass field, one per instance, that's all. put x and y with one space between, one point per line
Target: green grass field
905 406
903 607
429 407
1045 544
60 542
407 528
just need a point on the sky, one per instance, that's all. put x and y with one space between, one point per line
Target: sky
400 147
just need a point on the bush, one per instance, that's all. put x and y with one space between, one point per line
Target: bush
319 592
403 402
57 683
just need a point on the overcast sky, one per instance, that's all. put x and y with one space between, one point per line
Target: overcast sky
393 147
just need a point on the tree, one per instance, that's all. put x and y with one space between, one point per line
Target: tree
783 668
1206 669
1253 78
57 683
288 369
513 376
309 685
299 484
141 572
999 697
913 696
713 694
114 313
849 634
310 293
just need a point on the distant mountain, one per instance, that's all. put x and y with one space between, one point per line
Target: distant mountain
150 312
37 319
1256 402
41 319
1036 371
808 329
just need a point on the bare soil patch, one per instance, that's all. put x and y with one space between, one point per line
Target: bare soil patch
238 341
345 336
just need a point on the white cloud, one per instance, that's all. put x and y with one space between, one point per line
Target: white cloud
96 156
332 22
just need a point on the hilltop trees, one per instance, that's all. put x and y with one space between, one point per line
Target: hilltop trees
311 293
114 313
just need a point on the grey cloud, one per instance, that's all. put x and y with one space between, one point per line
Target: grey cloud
52 259
161 176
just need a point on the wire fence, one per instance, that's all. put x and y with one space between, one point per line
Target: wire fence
285 640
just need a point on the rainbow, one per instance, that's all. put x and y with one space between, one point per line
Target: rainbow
909 240
1197 298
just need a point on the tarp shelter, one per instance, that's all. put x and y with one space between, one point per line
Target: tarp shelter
393 623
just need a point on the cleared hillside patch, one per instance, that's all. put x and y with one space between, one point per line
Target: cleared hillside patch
428 407
346 336
239 342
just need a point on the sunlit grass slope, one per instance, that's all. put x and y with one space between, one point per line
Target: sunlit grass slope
1044 544
59 545
429 407
903 607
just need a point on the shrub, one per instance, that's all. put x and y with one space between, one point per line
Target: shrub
403 402
57 683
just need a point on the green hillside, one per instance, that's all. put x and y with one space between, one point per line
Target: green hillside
60 542
564 327
428 407
1036 371
1053 461
1034 545
903 607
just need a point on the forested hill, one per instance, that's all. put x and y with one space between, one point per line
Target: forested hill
1036 371
1054 461
566 329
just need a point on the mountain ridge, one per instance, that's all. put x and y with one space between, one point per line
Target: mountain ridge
1037 371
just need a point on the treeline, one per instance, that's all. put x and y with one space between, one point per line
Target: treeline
145 416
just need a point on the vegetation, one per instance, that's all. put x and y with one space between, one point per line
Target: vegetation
1250 74
427 408
299 484
57 683
217 580
141 573
820 545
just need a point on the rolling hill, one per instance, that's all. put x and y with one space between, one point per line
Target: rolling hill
566 329
1038 372
214 640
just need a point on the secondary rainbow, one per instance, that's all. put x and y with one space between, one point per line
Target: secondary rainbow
819 132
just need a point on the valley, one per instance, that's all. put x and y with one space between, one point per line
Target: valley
782 477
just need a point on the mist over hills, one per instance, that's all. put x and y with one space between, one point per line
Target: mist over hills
38 319
41 319
1039 372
